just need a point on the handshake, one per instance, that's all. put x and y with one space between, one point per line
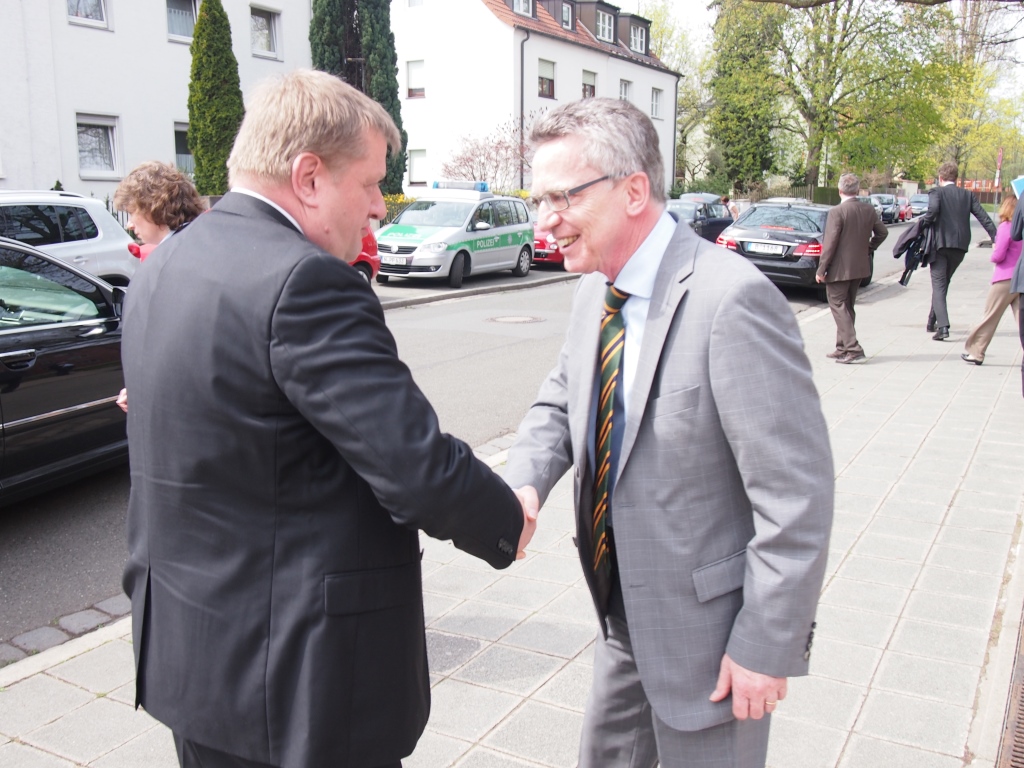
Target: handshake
527 496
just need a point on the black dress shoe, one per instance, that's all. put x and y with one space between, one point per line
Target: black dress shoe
930 327
968 359
942 333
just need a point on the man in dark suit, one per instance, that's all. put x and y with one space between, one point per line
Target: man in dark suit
949 214
683 403
282 460
852 233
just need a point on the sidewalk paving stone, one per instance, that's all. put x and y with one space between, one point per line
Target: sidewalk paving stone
864 752
83 621
915 722
34 702
468 711
101 670
799 744
91 731
14 755
153 749
540 732
510 669
930 679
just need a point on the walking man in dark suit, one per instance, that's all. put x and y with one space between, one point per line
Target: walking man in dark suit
282 460
852 233
683 403
949 214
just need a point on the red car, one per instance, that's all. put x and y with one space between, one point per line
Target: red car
905 213
368 262
545 249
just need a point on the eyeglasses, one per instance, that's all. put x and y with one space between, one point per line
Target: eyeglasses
559 199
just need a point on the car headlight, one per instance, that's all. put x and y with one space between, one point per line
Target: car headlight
434 247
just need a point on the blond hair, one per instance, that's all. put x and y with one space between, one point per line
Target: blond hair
1006 209
305 111
161 193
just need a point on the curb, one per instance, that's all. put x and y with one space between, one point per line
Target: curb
482 290
58 654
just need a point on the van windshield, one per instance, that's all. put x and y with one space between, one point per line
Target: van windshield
435 213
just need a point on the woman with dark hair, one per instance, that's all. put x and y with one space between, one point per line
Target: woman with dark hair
159 200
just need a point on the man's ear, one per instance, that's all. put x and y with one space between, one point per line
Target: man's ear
638 192
307 172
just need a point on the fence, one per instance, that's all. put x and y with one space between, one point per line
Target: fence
825 195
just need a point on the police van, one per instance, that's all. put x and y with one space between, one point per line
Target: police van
455 230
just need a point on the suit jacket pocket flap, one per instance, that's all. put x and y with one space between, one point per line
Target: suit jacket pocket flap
675 402
365 591
720 577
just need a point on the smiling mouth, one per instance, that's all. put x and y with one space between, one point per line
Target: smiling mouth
565 242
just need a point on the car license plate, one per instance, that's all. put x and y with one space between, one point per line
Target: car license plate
768 248
396 260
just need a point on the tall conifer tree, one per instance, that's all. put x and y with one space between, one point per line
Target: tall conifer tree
215 107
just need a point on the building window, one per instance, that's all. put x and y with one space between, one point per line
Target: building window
263 31
87 11
655 102
567 15
97 145
181 17
624 89
524 7
589 84
417 167
182 154
415 75
546 78
638 38
604 26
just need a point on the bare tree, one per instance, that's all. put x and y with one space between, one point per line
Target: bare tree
496 158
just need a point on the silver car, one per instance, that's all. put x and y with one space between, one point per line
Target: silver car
73 228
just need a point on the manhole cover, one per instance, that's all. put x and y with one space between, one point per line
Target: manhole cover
517 319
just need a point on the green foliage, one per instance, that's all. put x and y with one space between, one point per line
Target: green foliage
334 40
57 187
745 89
381 62
215 107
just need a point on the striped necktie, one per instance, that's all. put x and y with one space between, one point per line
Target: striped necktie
613 335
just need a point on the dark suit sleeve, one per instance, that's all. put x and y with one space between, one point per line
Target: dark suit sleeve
1017 225
336 362
930 216
982 217
833 231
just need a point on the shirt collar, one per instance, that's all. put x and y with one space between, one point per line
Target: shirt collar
640 272
271 203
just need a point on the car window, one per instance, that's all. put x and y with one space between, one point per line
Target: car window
75 223
482 213
685 211
919 199
720 211
435 213
33 224
34 291
503 213
778 217
520 209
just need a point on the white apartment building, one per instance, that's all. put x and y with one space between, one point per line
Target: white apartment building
467 66
91 88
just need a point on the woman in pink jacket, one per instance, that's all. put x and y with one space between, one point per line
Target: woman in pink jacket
1005 254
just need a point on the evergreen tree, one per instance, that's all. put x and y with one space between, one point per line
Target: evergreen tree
215 107
381 77
334 40
745 89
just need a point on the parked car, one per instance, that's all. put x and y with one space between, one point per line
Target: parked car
703 211
368 260
888 208
451 233
905 214
71 227
783 240
918 204
545 248
60 372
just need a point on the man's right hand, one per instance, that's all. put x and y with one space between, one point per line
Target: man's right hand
527 496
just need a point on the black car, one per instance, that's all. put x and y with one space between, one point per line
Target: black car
60 372
888 207
703 211
782 239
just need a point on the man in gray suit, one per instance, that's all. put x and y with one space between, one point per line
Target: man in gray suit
701 461
949 215
282 459
852 233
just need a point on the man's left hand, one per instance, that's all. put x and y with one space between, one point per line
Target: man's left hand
819 278
753 695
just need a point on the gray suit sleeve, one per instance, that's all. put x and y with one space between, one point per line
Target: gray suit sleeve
771 414
337 363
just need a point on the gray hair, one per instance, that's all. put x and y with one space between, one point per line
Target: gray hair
849 184
305 111
619 139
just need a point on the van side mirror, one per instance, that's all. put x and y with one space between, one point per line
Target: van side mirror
480 225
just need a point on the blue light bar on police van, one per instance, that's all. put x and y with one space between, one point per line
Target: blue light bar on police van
475 186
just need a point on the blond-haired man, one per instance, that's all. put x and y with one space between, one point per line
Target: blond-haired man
282 460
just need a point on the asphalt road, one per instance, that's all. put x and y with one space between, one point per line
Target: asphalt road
479 358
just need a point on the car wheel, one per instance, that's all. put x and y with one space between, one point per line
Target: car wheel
522 267
382 279
455 274
364 272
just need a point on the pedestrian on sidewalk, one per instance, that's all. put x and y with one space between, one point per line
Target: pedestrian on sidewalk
684 403
1017 283
734 210
853 232
1005 255
283 458
949 214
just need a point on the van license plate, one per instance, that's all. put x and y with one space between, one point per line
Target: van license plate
394 260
